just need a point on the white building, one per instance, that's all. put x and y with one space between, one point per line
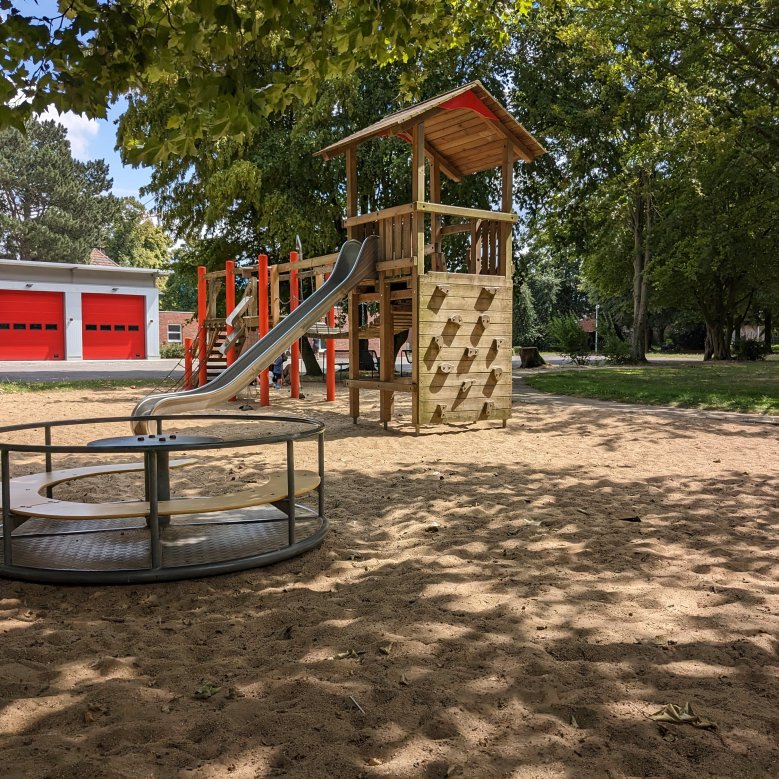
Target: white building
66 311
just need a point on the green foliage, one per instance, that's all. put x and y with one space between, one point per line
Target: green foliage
614 349
52 207
135 240
570 339
200 53
749 350
171 351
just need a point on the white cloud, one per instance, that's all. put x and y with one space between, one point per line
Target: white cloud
80 129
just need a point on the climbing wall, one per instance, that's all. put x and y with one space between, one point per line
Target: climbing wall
463 348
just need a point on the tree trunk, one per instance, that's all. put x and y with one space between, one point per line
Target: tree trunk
309 358
717 347
767 336
641 254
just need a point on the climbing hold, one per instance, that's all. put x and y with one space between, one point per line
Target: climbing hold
498 372
445 367
466 385
489 407
438 340
490 290
443 290
498 343
484 320
440 410
471 352
455 319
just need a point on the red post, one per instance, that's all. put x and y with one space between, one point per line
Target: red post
294 299
187 363
330 358
264 324
202 345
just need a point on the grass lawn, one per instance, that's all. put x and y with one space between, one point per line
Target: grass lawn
13 387
722 386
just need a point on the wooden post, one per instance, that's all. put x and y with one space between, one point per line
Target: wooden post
202 339
229 305
504 255
435 226
262 322
330 357
187 363
387 342
294 299
418 193
354 355
351 187
354 318
275 299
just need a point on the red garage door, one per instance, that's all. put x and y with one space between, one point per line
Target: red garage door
32 325
113 326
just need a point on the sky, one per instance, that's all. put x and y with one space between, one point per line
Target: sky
93 139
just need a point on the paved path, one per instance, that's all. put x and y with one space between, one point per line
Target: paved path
65 370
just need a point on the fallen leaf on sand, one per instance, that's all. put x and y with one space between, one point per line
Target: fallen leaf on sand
682 715
206 691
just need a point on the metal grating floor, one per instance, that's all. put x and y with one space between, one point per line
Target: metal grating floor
124 544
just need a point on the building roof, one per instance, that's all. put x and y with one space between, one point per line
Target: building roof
40 265
465 128
99 257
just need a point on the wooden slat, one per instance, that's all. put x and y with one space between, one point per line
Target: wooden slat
322 263
399 264
397 385
386 213
467 213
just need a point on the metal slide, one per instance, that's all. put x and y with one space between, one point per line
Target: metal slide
356 261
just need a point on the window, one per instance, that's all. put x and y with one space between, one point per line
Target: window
132 328
119 328
36 326
174 334
91 327
105 327
20 326
51 326
5 326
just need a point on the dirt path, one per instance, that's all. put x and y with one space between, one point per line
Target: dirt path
481 608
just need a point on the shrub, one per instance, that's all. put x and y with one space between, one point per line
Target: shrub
571 340
749 349
171 351
615 350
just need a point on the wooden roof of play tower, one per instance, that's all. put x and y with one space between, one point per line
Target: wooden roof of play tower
466 130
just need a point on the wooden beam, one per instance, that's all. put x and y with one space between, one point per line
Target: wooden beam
418 193
504 254
375 216
466 213
397 385
447 166
435 227
521 151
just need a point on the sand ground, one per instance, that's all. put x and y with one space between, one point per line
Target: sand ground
481 608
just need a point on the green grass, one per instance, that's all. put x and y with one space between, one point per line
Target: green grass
751 387
16 387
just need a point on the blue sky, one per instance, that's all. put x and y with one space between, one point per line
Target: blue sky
92 139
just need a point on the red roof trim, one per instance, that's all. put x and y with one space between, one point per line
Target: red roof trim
468 100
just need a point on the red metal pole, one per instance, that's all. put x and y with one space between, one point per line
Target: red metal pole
294 299
187 363
264 325
202 346
330 358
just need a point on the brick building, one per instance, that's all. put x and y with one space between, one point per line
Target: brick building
175 326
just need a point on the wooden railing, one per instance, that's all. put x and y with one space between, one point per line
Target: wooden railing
412 232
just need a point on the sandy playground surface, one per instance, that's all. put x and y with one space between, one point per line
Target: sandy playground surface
481 608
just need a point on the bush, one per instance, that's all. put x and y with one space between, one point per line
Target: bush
171 351
571 340
614 349
749 349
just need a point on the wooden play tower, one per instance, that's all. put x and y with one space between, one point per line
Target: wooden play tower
458 310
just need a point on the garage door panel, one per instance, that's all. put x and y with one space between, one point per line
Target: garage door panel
113 326
32 325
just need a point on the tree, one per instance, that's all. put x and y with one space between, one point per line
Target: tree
135 239
52 207
203 51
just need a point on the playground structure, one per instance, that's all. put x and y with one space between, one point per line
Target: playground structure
454 307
